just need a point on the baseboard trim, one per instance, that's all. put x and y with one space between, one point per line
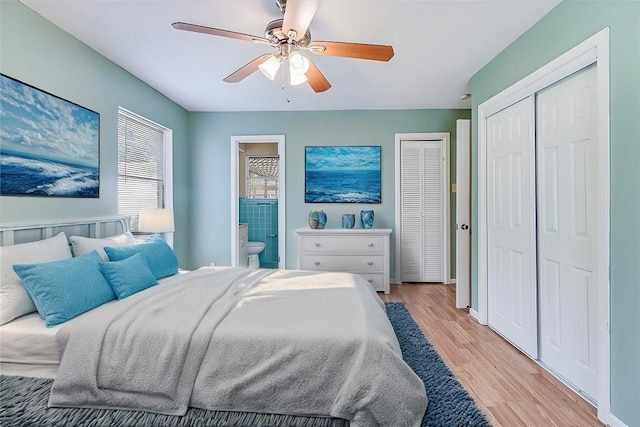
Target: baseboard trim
613 421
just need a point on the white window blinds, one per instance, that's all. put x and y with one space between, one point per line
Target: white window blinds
262 177
141 165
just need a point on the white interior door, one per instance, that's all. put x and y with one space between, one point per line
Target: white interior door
422 202
433 226
463 213
567 160
411 210
511 226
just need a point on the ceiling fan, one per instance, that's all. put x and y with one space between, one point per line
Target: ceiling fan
289 36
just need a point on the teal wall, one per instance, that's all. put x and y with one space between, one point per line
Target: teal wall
37 52
564 27
210 138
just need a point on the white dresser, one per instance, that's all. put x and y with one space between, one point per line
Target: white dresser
354 250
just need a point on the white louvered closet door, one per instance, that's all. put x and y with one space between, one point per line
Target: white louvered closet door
422 198
411 210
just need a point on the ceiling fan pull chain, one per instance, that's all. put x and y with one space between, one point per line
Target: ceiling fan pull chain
283 82
282 75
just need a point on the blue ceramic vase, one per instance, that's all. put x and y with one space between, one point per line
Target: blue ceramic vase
348 220
317 219
366 218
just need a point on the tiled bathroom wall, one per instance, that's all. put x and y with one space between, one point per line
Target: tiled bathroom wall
262 217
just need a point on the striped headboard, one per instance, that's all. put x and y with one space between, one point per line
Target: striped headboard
11 234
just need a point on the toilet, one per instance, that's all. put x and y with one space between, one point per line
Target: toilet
254 249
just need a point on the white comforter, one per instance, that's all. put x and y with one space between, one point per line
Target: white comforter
270 341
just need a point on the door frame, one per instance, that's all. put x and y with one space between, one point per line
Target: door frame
236 140
442 137
463 195
594 50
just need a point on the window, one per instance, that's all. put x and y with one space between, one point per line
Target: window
144 165
262 177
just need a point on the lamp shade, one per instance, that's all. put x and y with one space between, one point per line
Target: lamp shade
297 79
270 67
298 66
155 220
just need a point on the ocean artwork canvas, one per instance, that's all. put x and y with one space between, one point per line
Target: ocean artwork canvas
49 147
342 174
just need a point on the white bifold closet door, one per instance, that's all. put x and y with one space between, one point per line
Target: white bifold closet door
511 226
566 132
422 222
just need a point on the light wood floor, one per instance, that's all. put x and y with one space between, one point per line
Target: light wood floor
511 389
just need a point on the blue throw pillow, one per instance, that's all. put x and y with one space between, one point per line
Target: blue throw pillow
61 290
159 256
128 276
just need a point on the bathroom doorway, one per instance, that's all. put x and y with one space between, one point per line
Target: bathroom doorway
258 197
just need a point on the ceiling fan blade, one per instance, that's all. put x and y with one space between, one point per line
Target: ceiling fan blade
246 70
298 15
218 32
316 79
376 52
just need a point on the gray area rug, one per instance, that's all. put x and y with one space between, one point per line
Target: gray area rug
23 401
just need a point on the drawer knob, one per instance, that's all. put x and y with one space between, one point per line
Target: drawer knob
370 245
317 263
317 245
370 281
370 263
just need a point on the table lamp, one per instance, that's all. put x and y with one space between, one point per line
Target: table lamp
155 221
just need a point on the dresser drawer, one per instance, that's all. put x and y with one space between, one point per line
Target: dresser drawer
355 264
376 280
336 244
360 251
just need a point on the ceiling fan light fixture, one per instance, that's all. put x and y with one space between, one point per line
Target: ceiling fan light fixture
297 79
270 66
298 66
298 63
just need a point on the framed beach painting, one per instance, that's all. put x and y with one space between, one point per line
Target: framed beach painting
342 174
49 147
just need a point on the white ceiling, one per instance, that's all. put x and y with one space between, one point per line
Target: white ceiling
438 46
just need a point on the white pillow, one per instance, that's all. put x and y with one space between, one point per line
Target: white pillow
83 245
14 299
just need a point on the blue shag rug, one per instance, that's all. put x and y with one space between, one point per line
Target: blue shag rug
449 403
23 401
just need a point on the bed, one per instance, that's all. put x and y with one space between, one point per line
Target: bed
218 338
